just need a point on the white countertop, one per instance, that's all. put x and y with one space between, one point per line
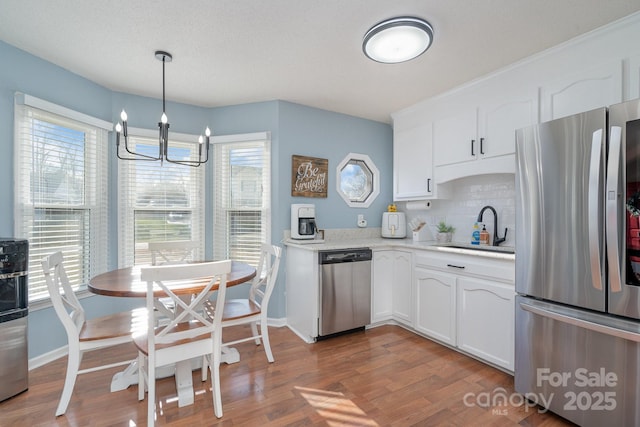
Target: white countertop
349 240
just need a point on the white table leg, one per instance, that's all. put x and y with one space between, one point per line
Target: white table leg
229 355
184 383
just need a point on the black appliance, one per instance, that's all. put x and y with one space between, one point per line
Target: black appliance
14 366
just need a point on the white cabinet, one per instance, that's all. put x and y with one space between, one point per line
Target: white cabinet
392 296
412 162
499 120
485 320
382 285
456 138
402 301
436 305
413 159
467 302
302 281
482 139
586 90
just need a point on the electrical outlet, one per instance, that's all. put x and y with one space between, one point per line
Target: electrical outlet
361 221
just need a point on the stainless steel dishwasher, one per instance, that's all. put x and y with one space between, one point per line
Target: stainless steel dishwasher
345 290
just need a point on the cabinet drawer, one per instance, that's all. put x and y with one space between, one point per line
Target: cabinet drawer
498 269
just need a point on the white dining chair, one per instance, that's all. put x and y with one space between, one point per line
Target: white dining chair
176 252
84 334
187 335
253 309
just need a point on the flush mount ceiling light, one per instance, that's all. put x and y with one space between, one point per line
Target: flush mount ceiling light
397 39
163 138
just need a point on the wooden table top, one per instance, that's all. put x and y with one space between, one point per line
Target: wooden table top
125 282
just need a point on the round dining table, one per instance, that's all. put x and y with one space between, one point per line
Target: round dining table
126 282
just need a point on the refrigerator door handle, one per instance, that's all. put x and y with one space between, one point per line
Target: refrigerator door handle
584 324
613 177
593 206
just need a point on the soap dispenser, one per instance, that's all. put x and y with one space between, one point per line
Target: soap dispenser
475 234
484 236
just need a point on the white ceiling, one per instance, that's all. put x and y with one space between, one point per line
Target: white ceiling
228 52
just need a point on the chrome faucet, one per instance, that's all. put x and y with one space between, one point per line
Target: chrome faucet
496 240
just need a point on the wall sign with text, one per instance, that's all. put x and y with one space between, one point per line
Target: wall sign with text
309 176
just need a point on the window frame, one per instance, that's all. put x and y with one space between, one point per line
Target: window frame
94 195
127 207
221 192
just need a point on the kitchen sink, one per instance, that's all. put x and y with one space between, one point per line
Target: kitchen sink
498 249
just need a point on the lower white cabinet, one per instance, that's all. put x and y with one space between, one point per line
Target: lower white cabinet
381 286
485 318
467 302
392 296
436 305
402 301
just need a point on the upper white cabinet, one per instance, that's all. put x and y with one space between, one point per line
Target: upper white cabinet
413 158
412 162
499 120
456 138
481 140
585 90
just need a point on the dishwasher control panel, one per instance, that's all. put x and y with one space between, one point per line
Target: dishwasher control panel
344 255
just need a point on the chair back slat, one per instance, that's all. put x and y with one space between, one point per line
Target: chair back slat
267 273
176 252
163 278
63 298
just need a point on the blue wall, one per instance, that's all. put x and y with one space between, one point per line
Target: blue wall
295 129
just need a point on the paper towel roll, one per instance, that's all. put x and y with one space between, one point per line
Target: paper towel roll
419 205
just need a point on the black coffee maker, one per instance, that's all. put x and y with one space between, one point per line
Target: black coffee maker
303 221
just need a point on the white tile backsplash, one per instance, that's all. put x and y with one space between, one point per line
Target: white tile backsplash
470 195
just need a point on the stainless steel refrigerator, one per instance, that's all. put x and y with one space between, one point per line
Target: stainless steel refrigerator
578 265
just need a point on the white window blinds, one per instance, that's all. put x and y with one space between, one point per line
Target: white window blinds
159 202
60 189
242 196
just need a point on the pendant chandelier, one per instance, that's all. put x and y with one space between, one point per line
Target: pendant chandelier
163 138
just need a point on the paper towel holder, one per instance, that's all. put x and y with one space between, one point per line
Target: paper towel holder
419 205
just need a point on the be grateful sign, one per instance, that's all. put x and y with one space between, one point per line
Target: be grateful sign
308 176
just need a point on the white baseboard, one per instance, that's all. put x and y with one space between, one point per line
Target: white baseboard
45 358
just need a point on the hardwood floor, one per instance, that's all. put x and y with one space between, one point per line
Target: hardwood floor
385 376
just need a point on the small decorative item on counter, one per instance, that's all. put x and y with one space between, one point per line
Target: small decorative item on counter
475 234
445 232
484 236
392 208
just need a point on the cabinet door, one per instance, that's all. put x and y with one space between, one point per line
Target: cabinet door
436 305
402 287
486 320
596 87
413 162
499 121
455 138
382 285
